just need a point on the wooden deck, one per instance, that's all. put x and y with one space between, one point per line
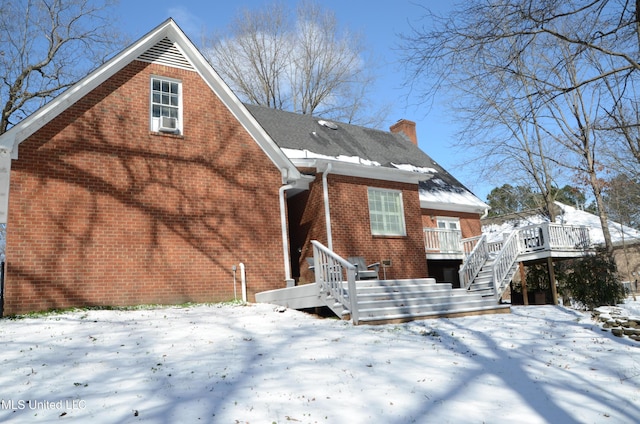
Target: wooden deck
485 274
390 301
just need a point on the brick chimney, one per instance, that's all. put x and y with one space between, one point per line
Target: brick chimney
406 127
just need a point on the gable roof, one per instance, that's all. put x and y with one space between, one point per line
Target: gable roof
166 44
366 152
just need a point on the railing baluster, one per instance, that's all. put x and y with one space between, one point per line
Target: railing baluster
473 263
329 269
443 240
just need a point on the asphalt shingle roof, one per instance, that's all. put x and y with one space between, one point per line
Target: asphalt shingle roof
304 132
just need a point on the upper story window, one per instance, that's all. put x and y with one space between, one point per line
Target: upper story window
166 105
386 212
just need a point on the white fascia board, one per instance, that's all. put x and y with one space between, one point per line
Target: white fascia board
223 91
362 171
12 138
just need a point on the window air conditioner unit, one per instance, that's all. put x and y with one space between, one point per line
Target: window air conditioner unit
168 124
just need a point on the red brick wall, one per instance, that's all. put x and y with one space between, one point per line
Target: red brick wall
469 222
306 223
351 229
104 212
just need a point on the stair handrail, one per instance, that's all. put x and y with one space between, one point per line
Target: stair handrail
329 267
473 263
504 262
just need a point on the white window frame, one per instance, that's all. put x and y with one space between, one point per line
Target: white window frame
447 221
163 103
386 212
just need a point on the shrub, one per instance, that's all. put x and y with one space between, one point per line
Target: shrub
591 281
538 278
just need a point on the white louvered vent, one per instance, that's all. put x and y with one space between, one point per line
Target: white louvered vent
165 52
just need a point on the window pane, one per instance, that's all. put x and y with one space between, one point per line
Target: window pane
449 223
385 212
165 100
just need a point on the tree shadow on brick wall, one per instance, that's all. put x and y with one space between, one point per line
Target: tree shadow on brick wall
124 217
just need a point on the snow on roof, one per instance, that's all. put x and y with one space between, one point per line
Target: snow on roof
450 197
569 216
439 194
412 168
306 154
619 232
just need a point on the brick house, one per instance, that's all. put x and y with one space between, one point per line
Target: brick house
149 182
356 165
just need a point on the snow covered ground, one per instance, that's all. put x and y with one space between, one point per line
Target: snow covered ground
254 364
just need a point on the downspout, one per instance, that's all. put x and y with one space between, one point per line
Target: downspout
285 236
325 191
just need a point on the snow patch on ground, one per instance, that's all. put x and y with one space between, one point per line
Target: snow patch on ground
258 364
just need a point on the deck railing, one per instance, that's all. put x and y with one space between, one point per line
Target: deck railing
442 240
503 263
551 236
331 272
468 244
474 262
533 238
569 237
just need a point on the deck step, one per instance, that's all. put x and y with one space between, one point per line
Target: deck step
445 312
398 300
380 302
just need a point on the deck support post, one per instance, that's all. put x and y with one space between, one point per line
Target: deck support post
523 283
552 280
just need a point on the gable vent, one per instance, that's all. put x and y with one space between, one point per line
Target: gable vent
165 52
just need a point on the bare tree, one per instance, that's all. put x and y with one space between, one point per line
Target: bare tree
622 197
303 64
254 57
621 125
546 62
503 119
609 29
47 46
573 124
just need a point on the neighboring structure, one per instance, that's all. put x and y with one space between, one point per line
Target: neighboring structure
150 182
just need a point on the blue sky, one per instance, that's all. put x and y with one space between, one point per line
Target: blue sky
379 22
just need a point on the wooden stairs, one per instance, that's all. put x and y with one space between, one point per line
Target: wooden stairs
392 301
406 300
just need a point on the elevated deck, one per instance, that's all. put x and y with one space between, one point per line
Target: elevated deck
484 275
